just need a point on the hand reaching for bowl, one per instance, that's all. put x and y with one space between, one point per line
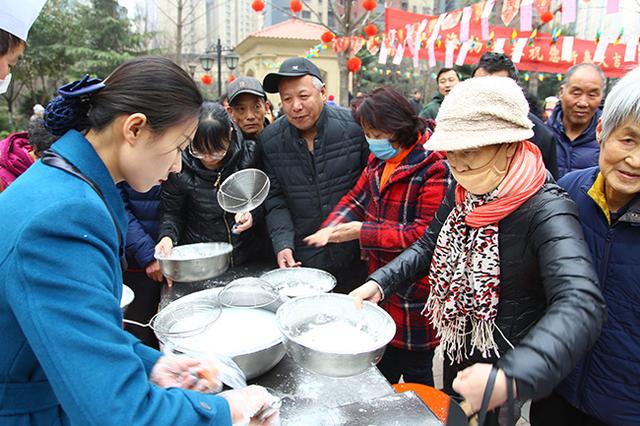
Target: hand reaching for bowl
245 405
335 234
369 291
285 259
153 271
185 372
164 247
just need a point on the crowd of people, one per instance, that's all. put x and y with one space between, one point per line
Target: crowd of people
510 243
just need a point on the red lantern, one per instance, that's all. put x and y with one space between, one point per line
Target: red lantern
546 17
295 6
257 5
327 37
206 79
354 64
371 29
369 5
231 78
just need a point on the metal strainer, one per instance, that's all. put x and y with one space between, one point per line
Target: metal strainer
248 292
243 191
183 319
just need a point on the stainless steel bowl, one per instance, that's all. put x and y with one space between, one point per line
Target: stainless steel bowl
126 298
254 361
297 315
295 282
196 262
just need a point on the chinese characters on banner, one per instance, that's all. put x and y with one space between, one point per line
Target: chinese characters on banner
543 55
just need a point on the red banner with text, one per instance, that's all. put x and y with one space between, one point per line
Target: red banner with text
542 53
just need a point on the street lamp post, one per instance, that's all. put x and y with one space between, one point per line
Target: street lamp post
231 59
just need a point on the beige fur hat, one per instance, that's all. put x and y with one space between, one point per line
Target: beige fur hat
481 111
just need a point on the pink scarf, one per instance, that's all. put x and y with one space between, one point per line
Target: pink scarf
465 269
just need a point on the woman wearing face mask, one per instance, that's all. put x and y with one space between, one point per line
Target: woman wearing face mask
14 28
190 212
65 358
513 292
388 209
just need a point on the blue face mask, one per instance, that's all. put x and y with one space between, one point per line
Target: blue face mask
382 148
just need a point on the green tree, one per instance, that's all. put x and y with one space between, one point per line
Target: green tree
107 38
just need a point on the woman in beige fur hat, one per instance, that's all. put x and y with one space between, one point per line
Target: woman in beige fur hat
513 296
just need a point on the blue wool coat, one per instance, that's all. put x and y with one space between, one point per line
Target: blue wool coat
578 154
65 358
606 384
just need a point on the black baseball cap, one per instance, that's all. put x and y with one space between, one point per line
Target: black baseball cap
292 67
244 85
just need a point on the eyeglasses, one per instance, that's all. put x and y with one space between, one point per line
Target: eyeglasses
219 155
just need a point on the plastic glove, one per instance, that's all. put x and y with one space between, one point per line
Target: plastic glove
246 403
184 372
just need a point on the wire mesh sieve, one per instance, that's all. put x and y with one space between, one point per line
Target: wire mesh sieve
248 292
243 191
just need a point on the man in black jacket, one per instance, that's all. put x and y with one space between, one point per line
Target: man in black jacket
499 65
313 158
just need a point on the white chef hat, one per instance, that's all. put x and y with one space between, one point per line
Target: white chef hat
18 17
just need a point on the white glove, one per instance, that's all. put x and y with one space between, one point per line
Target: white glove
246 403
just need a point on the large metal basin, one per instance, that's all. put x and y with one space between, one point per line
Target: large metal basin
254 361
196 262
295 282
295 316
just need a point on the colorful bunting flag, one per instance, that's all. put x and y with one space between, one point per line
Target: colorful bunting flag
526 15
568 11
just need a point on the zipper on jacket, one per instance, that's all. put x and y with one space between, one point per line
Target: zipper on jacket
226 224
601 275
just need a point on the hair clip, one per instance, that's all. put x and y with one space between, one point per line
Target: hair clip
82 87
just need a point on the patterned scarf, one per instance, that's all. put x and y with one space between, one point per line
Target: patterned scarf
465 269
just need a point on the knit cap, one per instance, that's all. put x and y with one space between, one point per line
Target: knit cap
479 112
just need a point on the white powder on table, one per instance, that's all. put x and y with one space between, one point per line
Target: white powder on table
337 337
236 331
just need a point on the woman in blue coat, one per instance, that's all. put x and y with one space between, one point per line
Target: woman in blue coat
65 358
604 387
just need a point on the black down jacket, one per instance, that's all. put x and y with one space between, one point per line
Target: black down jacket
190 212
550 308
305 187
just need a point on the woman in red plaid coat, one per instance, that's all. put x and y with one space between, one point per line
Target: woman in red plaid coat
390 207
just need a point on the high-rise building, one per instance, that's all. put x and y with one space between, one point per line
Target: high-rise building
591 17
277 10
202 22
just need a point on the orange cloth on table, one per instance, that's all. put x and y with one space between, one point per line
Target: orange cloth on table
391 164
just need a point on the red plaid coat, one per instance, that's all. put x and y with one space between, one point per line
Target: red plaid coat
393 219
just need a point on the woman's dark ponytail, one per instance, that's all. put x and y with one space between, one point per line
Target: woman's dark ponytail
153 86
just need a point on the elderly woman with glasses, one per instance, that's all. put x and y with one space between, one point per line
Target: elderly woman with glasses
190 212
513 295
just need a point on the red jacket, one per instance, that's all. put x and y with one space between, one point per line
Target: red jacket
392 221
14 157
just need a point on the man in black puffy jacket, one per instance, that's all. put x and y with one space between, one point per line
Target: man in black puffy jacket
313 158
